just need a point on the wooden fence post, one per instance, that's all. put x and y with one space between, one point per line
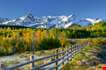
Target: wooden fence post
2 66
63 58
75 49
68 53
32 66
57 58
72 51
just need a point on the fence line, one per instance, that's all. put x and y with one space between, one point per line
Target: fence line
67 55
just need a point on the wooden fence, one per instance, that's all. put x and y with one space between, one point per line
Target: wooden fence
60 59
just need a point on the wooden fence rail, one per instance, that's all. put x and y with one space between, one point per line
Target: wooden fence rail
58 62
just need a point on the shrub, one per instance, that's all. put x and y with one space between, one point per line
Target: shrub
49 43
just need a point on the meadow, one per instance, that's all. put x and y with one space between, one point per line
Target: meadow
18 41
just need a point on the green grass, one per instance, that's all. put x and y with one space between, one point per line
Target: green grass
80 60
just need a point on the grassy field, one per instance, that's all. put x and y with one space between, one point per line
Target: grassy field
17 44
90 57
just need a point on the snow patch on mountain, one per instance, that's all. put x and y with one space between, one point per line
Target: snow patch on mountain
46 21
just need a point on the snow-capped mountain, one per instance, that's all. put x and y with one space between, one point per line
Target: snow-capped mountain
45 22
89 21
3 20
93 21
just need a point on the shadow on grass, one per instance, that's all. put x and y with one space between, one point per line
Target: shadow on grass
76 67
102 54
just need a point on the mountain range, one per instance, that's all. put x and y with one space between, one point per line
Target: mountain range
48 21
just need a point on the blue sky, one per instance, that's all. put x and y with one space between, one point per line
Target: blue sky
81 8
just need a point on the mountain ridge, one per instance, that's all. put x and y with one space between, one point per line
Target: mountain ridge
47 21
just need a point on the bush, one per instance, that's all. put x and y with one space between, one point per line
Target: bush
49 43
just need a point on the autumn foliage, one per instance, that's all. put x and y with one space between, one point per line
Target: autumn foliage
20 40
